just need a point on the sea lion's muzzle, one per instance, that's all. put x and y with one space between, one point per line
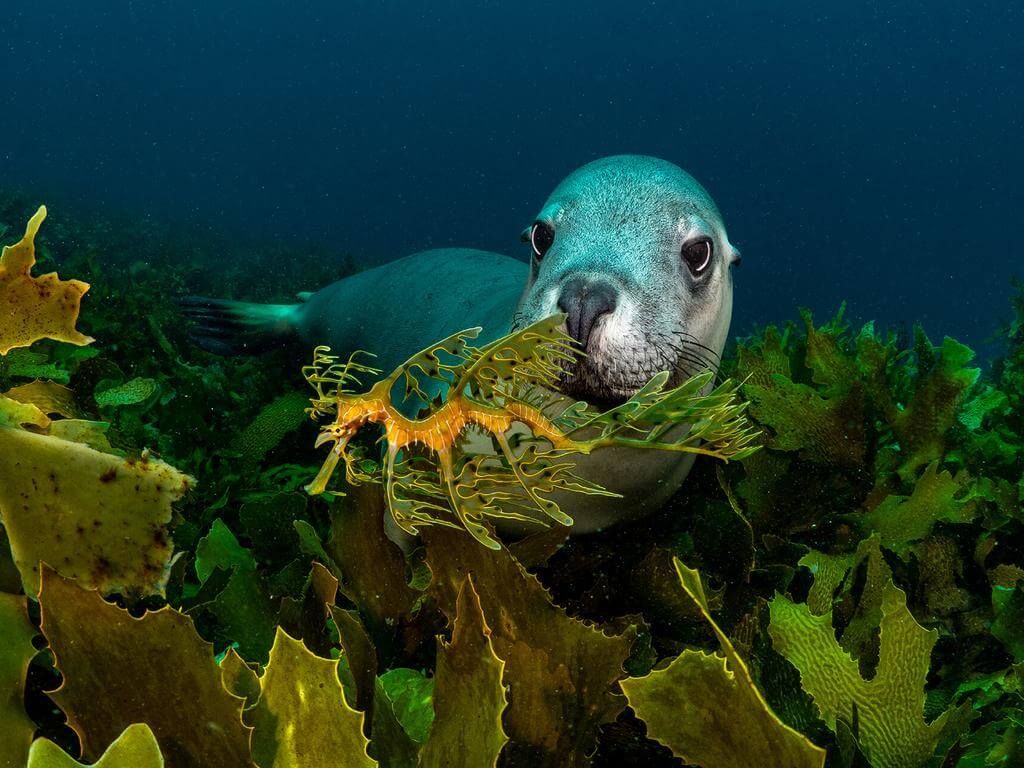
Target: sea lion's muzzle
584 303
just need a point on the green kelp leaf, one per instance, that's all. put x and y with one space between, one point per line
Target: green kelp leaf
974 411
109 394
939 391
410 694
890 707
278 418
561 672
707 709
468 694
1008 621
267 523
29 364
758 359
997 744
136 747
220 549
832 368
301 719
937 497
112 512
245 610
16 651
824 431
119 670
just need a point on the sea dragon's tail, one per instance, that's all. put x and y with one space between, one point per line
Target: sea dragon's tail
237 327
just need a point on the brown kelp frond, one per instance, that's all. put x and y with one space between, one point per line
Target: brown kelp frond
436 473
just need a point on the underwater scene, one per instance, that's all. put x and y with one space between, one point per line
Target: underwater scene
493 385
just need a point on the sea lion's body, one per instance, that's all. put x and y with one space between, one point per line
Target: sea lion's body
399 308
618 238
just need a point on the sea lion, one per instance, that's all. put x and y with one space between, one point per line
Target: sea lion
631 248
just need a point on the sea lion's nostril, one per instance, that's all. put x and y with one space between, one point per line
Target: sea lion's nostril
583 303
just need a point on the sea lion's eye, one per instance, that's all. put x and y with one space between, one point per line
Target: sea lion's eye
542 235
697 255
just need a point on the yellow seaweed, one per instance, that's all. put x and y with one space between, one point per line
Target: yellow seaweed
33 308
95 517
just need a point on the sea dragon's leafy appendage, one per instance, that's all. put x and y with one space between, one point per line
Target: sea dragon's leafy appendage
432 476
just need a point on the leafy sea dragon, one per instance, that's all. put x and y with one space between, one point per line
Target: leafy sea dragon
431 475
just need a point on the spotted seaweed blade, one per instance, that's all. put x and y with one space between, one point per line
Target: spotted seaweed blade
435 475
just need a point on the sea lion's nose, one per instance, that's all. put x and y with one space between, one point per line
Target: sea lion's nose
583 303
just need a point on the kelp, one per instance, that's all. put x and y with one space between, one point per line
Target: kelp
94 516
708 710
924 497
136 747
33 308
888 709
488 389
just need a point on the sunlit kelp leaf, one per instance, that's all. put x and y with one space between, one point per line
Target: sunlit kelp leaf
707 709
561 672
48 396
119 670
888 708
469 697
271 425
937 497
95 517
16 651
301 719
33 308
136 747
431 479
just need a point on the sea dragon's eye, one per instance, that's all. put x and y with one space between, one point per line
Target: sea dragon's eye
542 235
697 255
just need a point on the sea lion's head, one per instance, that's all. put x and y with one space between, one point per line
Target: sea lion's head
634 252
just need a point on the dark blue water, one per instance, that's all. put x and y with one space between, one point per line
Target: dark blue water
868 152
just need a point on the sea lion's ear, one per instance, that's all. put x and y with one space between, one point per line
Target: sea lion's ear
737 257
524 236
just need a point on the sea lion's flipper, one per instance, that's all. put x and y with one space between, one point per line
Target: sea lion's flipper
237 327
